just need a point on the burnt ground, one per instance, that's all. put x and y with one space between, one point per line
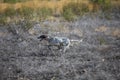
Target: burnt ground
23 57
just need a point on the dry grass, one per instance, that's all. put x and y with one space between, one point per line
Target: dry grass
50 8
101 29
115 2
116 33
61 29
55 5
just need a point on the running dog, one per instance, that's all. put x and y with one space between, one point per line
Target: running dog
61 42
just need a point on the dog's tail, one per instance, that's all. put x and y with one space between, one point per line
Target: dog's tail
76 40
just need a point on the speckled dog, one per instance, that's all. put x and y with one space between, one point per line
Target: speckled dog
62 43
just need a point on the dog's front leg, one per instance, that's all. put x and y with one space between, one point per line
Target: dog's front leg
65 48
49 47
59 48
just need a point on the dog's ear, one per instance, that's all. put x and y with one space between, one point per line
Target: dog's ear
42 37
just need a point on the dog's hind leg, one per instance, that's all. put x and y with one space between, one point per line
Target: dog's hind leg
65 48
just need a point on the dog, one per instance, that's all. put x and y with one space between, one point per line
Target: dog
62 43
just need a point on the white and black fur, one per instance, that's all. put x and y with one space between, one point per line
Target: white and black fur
61 42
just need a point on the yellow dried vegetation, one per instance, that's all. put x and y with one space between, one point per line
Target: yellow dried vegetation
54 5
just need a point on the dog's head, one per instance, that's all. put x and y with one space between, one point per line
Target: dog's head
42 37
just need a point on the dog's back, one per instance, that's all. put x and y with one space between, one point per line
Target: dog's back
63 41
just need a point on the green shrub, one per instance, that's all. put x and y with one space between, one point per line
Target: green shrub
13 1
106 6
28 25
2 20
30 13
10 12
68 15
44 12
25 11
103 4
102 41
73 8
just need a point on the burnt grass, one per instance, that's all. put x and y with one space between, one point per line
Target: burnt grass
23 57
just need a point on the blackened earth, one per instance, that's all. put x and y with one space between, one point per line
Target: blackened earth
23 57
